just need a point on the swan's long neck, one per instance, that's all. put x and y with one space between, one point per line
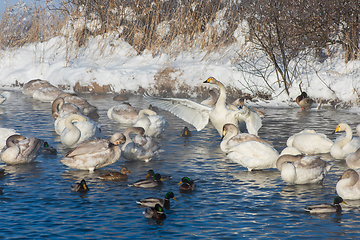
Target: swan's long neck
347 137
222 97
146 112
74 117
286 158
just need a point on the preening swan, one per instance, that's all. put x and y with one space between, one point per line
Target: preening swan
72 135
20 149
46 94
309 142
95 154
32 85
4 134
344 145
199 115
86 108
348 185
59 108
301 169
145 150
231 136
304 101
123 113
153 124
353 160
326 207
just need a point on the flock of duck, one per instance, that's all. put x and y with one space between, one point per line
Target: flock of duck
236 123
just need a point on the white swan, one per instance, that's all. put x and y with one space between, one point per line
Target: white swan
95 154
72 135
199 115
4 134
309 142
353 160
301 169
132 150
210 101
253 155
32 85
4 96
59 108
348 185
86 108
19 149
46 94
344 145
231 136
123 113
153 124
290 151
239 103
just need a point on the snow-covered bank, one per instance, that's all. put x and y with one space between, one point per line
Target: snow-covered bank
120 66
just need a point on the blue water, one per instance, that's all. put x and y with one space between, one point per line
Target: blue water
229 201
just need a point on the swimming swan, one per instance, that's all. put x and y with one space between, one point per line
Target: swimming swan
95 154
301 169
123 113
199 115
133 150
310 142
344 145
153 124
231 136
20 149
254 155
348 185
59 108
46 94
86 108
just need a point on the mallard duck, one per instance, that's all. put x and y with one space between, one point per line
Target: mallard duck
80 186
95 154
348 185
143 149
2 172
156 212
47 150
185 132
186 184
301 169
344 145
310 142
116 176
304 101
20 149
231 136
199 115
59 108
151 173
163 202
123 113
152 123
156 181
326 207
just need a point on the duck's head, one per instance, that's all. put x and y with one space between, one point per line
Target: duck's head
158 208
210 80
83 185
124 170
150 173
157 177
185 180
185 132
338 200
170 195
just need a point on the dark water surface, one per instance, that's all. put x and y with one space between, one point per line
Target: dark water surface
229 201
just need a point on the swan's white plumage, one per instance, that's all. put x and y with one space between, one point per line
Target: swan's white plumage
19 149
59 108
4 134
86 108
153 124
344 145
309 142
254 155
32 85
199 115
46 94
123 113
353 160
301 169
94 154
348 185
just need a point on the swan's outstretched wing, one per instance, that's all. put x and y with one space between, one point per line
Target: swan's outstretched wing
252 119
192 112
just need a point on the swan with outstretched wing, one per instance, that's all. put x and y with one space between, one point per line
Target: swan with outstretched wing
199 115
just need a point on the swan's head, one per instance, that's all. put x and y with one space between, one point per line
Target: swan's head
238 102
117 138
211 80
229 127
350 174
124 170
341 127
14 139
